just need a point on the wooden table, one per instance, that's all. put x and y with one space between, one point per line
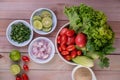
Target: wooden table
56 69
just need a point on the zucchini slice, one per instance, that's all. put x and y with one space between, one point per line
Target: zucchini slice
46 13
47 22
37 24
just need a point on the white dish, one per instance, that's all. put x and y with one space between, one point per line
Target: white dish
8 32
33 57
54 19
76 68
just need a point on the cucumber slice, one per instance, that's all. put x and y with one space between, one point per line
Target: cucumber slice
84 61
47 29
15 55
15 69
37 24
47 22
37 18
45 14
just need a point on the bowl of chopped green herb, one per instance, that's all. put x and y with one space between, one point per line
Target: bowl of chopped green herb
19 33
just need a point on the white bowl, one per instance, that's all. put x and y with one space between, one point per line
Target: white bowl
89 69
8 31
68 62
51 55
54 19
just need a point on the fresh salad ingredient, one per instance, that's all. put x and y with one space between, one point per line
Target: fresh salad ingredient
67 57
20 32
70 33
41 49
81 40
93 23
25 76
18 78
15 69
63 31
84 61
25 67
43 21
25 58
15 55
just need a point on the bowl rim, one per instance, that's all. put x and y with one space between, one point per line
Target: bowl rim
79 66
15 43
41 61
54 17
71 63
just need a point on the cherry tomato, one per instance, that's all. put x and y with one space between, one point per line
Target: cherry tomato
73 53
25 67
79 53
64 52
25 58
71 40
81 40
70 33
18 78
63 31
70 48
63 47
68 57
59 48
58 39
24 76
63 39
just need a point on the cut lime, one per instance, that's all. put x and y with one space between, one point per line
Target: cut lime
15 69
37 24
15 55
45 14
47 22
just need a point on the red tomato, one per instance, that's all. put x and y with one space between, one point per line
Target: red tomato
25 67
63 31
63 47
81 40
63 39
79 53
68 57
73 54
58 39
24 76
59 48
70 48
70 33
71 40
64 52
25 58
18 78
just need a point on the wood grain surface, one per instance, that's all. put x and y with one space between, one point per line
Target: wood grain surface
56 69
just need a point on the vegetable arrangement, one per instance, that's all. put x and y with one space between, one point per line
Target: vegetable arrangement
93 24
15 68
20 33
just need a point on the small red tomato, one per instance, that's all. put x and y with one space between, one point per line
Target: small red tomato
25 67
70 33
79 52
18 78
73 54
63 47
63 39
68 57
59 48
64 52
81 40
58 39
70 48
25 58
63 31
24 76
71 40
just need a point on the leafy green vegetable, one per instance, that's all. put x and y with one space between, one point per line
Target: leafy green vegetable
93 23
20 32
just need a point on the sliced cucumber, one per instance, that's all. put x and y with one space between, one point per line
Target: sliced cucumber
37 18
47 22
45 14
47 29
15 69
37 24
